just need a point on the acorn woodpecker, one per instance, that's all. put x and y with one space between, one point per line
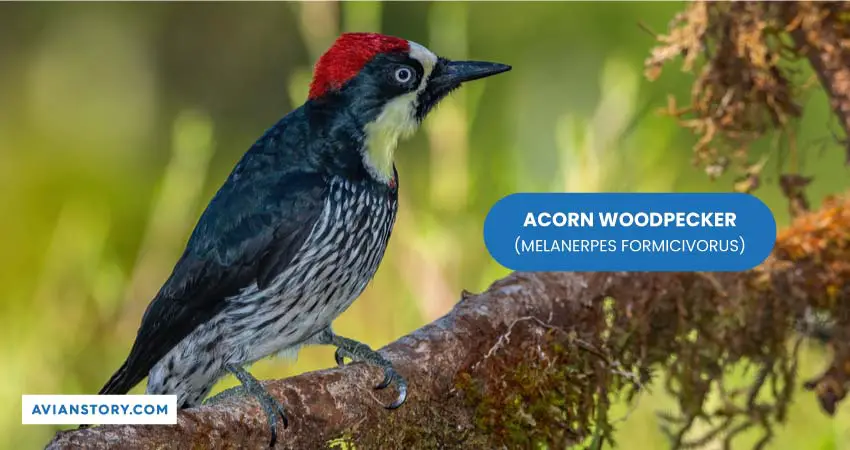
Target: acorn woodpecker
297 230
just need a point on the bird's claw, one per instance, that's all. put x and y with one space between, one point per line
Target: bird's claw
339 357
273 410
280 413
364 354
391 375
269 404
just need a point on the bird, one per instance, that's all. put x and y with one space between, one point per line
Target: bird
296 231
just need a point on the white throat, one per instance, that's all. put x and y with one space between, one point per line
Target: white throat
395 122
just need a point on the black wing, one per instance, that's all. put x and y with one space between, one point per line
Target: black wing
250 232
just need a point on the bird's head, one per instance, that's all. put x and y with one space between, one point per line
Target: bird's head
390 84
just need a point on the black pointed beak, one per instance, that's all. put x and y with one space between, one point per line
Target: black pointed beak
454 73
449 75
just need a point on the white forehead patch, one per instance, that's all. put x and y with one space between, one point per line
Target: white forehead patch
425 57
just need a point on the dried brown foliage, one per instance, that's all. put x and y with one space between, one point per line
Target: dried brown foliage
822 242
690 331
746 57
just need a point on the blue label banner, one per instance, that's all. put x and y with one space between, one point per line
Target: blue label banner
717 232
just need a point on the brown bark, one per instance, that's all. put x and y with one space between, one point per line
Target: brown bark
505 322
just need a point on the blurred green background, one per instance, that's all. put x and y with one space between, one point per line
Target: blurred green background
119 121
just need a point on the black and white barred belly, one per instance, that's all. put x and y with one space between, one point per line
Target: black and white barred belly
333 267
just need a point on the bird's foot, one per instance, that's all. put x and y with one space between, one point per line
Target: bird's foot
252 386
227 394
359 352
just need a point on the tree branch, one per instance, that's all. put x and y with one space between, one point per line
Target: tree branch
820 34
540 353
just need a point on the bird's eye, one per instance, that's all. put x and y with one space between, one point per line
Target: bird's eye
403 74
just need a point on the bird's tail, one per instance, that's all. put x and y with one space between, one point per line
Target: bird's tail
120 383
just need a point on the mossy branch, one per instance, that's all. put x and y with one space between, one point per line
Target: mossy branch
539 357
